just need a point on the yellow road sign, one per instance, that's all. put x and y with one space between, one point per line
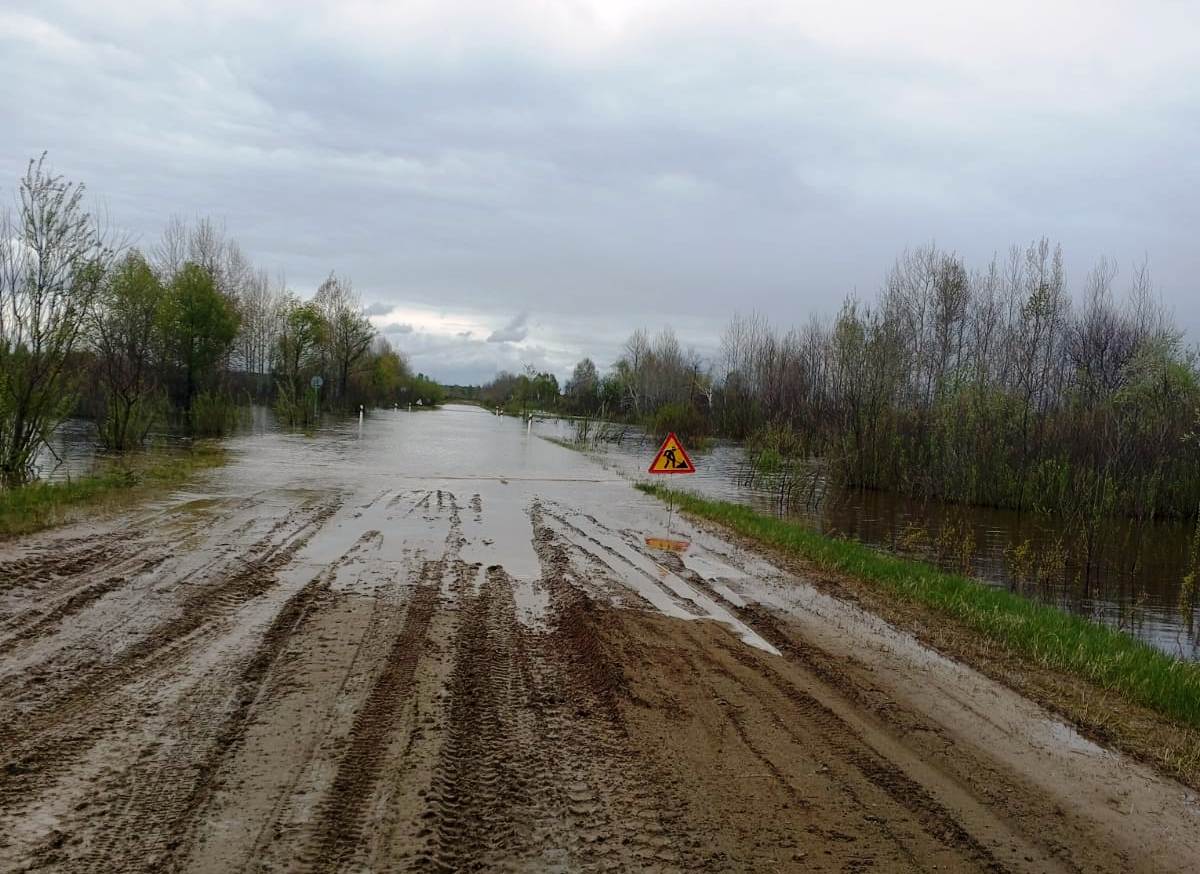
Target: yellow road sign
672 458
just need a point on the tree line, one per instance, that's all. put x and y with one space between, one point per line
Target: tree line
993 385
182 334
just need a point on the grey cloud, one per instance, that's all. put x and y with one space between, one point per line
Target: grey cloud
397 328
379 308
514 332
698 167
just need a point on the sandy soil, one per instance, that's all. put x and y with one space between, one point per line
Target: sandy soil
445 646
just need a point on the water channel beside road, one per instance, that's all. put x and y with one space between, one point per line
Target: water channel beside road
1134 583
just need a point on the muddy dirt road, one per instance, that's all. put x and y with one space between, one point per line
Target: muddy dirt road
445 646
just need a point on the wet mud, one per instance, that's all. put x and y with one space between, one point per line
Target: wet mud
447 647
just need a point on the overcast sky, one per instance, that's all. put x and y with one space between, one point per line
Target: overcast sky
529 185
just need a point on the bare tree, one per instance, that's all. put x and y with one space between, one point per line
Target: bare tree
349 332
53 257
262 308
171 251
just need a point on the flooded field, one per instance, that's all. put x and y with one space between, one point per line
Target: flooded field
442 643
1133 584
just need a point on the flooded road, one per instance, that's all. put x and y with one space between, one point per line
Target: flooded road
444 645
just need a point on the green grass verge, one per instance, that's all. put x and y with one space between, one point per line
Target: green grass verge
39 505
1110 659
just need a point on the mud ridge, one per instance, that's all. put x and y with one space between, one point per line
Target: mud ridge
474 787
34 624
64 559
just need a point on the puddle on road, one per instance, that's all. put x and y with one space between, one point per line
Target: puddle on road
497 530
667 591
1066 737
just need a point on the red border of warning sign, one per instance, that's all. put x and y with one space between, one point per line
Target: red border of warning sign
691 468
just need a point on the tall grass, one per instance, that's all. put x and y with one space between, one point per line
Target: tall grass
38 505
215 414
1105 657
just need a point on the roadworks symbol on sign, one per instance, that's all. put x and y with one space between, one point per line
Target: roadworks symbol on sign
672 458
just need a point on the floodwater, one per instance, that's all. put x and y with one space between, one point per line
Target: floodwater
464 456
440 642
1133 583
75 449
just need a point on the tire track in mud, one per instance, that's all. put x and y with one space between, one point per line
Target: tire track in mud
153 826
997 790
476 784
932 817
935 819
294 613
41 742
343 813
576 617
1041 823
619 805
535 770
782 780
66 558
35 623
684 604
370 633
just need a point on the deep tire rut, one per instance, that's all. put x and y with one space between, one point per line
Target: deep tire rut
341 817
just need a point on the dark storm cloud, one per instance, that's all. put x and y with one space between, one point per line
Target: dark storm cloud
610 165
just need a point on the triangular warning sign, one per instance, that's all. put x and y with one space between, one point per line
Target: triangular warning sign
672 458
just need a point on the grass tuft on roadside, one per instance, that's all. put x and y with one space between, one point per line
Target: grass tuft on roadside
1109 659
39 505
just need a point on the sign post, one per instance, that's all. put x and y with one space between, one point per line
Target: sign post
671 458
316 382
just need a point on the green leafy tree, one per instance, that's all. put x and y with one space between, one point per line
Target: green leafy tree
389 373
582 391
198 328
298 359
425 390
124 332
